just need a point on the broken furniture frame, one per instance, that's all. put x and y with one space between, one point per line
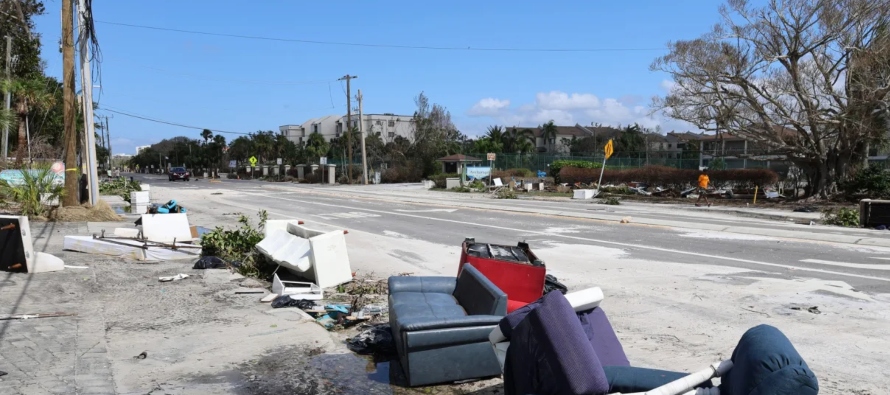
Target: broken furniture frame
146 244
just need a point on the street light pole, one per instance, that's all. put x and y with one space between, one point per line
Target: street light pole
87 84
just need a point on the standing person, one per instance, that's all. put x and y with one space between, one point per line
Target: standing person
703 181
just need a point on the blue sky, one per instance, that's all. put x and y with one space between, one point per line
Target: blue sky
245 85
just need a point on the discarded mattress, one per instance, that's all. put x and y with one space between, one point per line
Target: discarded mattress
128 249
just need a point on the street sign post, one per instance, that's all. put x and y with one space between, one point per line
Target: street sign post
491 157
279 161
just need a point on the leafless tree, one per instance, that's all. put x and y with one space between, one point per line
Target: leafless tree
807 78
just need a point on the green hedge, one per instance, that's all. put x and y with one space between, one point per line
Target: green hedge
558 165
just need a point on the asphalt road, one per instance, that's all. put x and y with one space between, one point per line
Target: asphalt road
864 268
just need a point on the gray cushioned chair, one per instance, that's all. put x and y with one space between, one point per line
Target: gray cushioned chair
441 324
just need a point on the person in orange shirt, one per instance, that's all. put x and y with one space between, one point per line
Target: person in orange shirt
703 181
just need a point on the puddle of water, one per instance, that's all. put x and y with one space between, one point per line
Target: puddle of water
202 230
122 209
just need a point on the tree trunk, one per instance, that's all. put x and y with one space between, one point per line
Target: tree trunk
22 145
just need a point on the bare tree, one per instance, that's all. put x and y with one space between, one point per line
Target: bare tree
806 78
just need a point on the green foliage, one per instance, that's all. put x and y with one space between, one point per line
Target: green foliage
505 193
871 182
239 245
37 189
120 187
717 164
611 200
847 217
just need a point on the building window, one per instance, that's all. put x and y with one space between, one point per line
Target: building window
378 122
669 146
314 128
355 124
392 134
392 124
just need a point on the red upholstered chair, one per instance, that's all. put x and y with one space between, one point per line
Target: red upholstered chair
515 270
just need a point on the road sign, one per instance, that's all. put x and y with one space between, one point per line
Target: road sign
279 161
324 160
252 161
232 164
492 156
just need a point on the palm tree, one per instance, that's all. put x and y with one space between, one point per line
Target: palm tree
496 134
28 94
206 134
548 133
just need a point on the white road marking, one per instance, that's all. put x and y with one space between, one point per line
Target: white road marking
846 264
446 210
640 246
349 215
885 259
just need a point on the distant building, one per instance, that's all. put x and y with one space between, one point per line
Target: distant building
141 148
388 126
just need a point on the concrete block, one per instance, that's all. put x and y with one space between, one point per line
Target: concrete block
584 194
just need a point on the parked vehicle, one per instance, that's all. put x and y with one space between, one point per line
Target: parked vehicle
178 173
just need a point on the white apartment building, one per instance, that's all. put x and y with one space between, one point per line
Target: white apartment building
388 126
141 148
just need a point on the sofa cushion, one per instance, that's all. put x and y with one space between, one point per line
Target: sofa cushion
478 295
446 337
766 363
419 306
600 333
412 323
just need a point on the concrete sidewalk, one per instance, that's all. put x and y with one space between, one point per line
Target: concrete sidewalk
749 221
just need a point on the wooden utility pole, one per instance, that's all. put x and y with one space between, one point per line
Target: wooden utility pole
70 106
361 130
349 78
5 149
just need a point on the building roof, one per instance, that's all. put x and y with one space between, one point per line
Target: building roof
458 158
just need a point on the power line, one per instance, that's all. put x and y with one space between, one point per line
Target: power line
396 46
168 122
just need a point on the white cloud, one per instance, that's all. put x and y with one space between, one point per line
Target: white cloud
566 109
488 107
667 85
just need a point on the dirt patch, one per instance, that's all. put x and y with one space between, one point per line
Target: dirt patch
101 212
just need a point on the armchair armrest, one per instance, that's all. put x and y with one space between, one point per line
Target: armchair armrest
427 323
429 284
478 295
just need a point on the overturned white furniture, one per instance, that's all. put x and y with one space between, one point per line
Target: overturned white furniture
314 255
585 193
166 228
17 248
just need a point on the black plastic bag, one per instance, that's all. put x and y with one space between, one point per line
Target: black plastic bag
210 262
287 301
376 339
552 284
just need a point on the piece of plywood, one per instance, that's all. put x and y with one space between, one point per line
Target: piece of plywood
165 228
129 249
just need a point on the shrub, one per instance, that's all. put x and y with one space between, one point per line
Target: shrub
611 200
506 193
558 165
399 174
842 217
239 245
871 182
517 173
120 187
36 189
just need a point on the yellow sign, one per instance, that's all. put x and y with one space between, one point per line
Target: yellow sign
609 150
252 161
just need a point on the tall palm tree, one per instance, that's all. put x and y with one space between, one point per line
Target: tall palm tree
548 133
29 94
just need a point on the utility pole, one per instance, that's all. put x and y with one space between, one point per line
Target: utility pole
70 109
87 87
8 97
349 78
107 139
361 130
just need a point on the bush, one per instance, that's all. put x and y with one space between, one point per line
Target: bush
506 193
669 176
37 188
400 174
558 165
611 200
239 245
871 182
842 217
120 187
517 173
